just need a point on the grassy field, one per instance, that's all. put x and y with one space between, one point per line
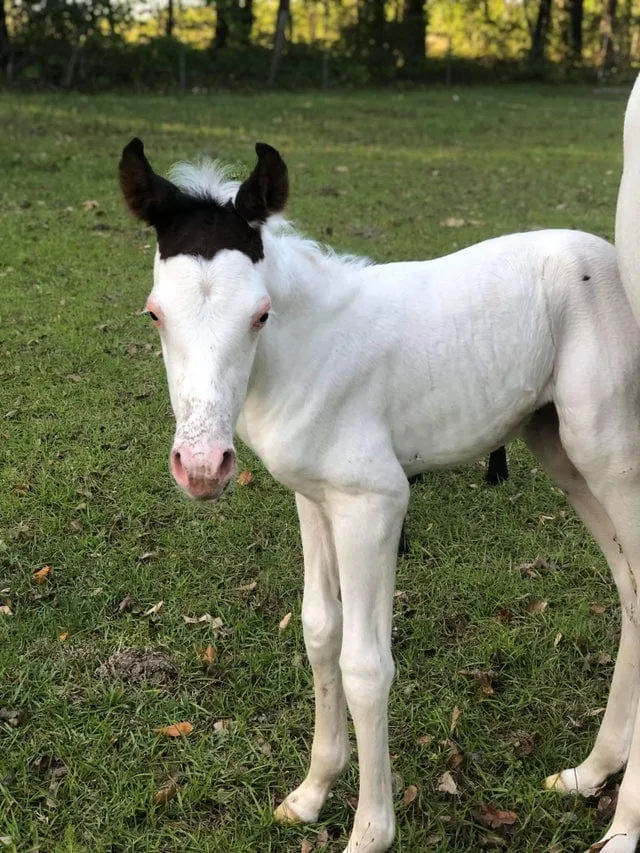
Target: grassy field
85 431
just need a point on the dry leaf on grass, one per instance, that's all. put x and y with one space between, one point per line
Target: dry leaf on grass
63 636
176 729
246 587
167 792
214 622
455 716
42 574
244 478
410 795
557 639
153 611
208 655
222 725
484 676
447 784
537 606
425 740
285 621
5 610
494 818
598 609
307 846
126 604
90 204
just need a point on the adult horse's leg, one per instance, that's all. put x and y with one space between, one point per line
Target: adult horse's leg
322 625
613 742
366 529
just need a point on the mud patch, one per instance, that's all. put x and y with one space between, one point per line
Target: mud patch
140 668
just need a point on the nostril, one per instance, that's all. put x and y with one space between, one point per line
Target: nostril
226 466
177 466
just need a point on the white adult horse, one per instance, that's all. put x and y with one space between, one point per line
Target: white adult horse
345 377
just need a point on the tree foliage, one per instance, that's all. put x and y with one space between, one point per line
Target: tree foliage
102 43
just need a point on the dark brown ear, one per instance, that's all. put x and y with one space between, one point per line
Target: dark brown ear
148 196
266 189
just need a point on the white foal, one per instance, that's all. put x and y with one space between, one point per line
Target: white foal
346 377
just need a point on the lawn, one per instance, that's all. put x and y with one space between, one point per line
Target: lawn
85 431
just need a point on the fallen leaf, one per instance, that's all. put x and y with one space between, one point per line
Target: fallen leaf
494 818
455 716
245 477
453 222
149 555
307 846
5 610
176 729
352 800
63 636
214 621
425 740
42 574
409 795
483 676
208 655
157 607
90 205
447 784
598 609
341 169
222 725
167 792
322 837
433 840
285 621
126 604
557 639
540 566
537 606
246 587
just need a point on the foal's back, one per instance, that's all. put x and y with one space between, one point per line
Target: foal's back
473 340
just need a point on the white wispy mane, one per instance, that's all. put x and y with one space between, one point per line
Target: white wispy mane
211 179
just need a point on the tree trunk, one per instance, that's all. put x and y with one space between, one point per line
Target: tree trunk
607 28
574 29
169 24
4 37
282 22
222 25
415 21
541 32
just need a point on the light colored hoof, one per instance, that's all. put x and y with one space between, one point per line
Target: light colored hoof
620 842
285 814
555 783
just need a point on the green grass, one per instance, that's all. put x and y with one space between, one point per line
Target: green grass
85 430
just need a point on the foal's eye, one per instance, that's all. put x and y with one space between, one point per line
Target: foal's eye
153 316
262 320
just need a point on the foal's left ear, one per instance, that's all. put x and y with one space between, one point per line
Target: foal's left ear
266 189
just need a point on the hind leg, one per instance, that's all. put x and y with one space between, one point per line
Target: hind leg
612 745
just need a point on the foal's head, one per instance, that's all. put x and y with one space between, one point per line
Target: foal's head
209 301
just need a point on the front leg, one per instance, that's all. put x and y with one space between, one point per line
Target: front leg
322 625
366 531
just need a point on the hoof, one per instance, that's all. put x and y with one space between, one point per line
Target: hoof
285 814
555 783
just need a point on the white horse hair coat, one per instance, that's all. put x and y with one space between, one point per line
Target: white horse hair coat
346 377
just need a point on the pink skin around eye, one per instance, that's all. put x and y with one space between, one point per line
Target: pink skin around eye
258 322
152 308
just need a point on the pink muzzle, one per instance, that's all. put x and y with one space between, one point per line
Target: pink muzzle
202 472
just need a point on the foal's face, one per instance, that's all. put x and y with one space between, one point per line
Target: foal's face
209 315
209 302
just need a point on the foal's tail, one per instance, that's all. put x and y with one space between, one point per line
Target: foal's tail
628 212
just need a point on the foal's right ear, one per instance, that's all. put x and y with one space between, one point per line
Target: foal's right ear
266 189
148 196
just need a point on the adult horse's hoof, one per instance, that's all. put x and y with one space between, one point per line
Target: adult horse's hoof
285 814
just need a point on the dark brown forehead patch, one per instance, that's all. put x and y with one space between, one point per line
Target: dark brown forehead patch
202 227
